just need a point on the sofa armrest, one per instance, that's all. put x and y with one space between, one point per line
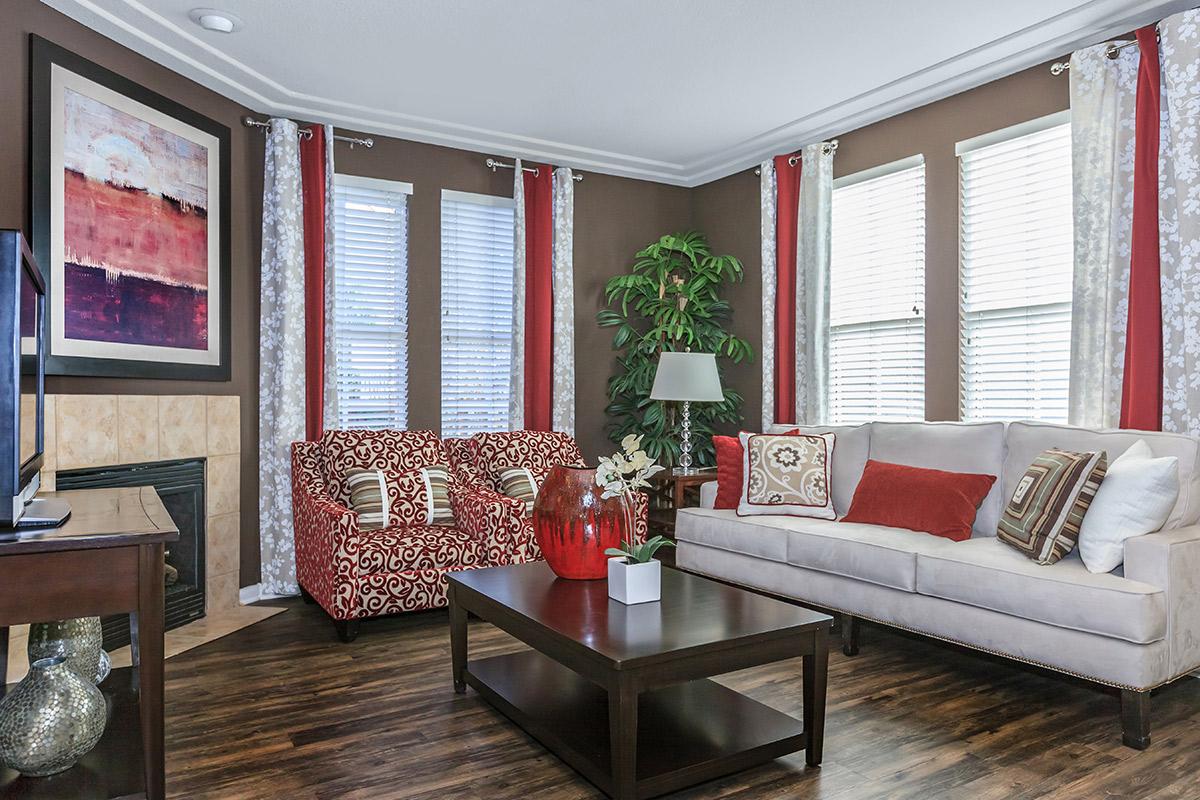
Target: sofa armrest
708 494
494 518
1170 560
326 538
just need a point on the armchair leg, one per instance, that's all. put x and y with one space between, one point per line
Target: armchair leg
1135 719
308 598
849 627
347 629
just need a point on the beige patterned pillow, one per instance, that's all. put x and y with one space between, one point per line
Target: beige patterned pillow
520 484
787 475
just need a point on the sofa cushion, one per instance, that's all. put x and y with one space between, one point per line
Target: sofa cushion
852 443
722 529
873 553
419 547
987 573
1026 439
952 446
343 450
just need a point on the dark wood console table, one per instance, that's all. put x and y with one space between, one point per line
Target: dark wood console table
106 559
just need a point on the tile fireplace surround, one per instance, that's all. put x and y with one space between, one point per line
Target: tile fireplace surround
107 430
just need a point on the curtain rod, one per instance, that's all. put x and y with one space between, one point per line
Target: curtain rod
305 133
494 165
1112 51
829 147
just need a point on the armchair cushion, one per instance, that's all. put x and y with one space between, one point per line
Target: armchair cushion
385 498
419 547
344 450
533 450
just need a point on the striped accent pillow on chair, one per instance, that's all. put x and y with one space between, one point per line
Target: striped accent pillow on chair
387 498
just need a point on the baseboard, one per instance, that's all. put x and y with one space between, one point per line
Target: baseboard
250 594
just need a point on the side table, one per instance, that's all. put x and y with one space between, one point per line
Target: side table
670 493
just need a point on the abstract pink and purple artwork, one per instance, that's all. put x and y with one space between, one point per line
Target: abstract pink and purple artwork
135 230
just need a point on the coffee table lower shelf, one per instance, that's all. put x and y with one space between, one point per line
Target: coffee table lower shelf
687 733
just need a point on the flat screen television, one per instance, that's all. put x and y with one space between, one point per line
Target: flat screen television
22 388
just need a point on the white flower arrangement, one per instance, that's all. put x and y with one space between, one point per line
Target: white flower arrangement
624 472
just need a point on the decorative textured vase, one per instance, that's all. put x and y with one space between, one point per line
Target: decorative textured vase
573 525
80 641
50 720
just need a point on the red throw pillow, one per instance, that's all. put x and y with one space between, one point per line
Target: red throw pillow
930 500
729 469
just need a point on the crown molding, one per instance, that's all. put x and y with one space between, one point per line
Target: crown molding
161 40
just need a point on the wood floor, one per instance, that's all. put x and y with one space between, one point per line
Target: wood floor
283 710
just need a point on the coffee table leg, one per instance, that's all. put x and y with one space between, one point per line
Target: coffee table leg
622 731
816 666
458 641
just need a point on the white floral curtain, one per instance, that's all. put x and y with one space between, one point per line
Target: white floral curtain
1179 220
563 385
767 351
330 400
281 354
1103 98
812 284
516 379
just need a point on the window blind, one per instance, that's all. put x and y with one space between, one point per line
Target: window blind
370 321
877 295
1016 262
477 312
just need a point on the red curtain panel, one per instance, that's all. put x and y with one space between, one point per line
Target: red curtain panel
1142 392
787 207
539 297
312 176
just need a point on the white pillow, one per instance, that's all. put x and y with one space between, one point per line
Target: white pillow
1135 498
787 475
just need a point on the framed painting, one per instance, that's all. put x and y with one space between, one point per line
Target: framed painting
130 224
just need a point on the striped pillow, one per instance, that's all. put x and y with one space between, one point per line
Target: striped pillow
520 484
387 498
1043 517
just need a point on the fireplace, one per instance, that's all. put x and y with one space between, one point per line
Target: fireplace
180 484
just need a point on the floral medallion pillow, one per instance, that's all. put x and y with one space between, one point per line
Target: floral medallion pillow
786 474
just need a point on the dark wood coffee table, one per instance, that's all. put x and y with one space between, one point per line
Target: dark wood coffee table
621 693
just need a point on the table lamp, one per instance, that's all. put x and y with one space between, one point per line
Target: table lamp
687 378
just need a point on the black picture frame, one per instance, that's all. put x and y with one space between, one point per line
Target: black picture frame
43 56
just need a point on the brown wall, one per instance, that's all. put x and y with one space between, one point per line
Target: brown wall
23 17
728 210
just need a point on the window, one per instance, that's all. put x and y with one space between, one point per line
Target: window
877 295
1016 261
477 312
370 275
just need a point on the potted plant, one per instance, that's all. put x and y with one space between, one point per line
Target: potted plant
634 576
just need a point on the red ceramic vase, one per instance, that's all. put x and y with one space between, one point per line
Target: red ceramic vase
574 526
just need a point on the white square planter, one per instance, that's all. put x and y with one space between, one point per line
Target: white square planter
634 583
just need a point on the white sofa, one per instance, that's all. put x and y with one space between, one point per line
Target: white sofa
1135 628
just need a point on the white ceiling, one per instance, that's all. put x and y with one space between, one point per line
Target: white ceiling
677 91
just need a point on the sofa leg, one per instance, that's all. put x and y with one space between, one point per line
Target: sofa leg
347 629
1135 719
849 627
308 598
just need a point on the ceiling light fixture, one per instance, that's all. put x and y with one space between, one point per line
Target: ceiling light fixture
213 20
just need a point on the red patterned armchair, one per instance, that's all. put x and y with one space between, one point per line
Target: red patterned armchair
354 573
479 460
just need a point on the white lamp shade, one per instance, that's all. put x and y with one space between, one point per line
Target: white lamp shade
687 376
